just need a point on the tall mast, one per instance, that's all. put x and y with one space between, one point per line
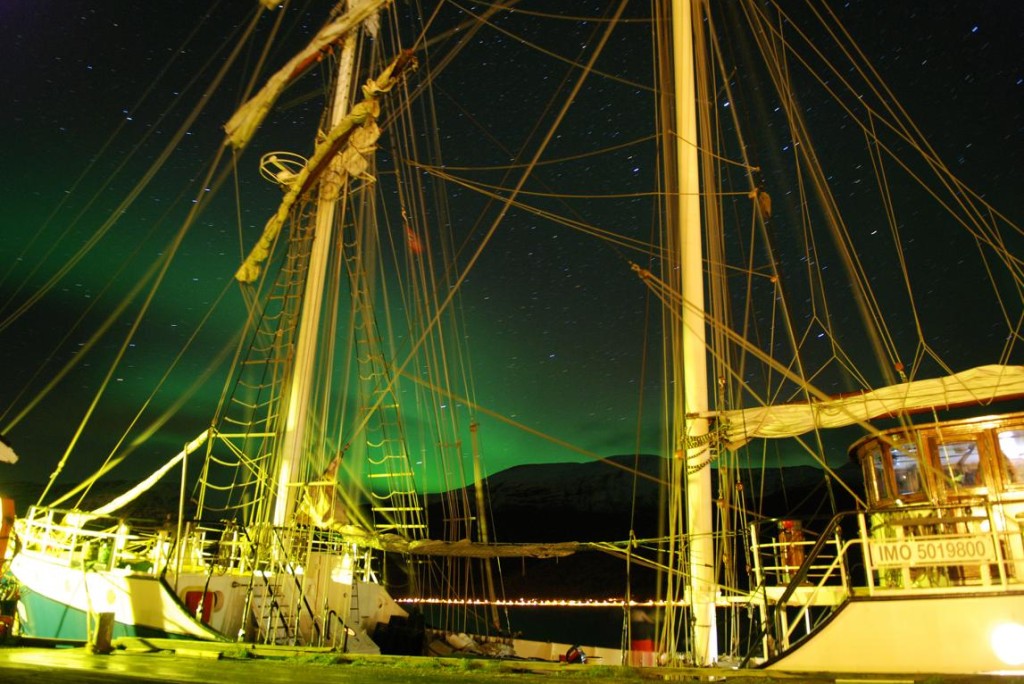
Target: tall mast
700 538
296 423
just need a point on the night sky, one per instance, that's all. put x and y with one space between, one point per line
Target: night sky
555 318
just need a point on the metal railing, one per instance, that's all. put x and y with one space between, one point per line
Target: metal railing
80 539
801 579
974 545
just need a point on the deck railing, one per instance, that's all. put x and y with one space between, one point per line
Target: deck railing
802 577
80 539
974 545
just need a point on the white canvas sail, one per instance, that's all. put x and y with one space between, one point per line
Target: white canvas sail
247 120
977 386
7 454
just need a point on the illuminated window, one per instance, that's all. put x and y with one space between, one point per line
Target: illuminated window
877 481
960 465
907 470
1011 443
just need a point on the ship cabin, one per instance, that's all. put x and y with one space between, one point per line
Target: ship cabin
943 518
945 503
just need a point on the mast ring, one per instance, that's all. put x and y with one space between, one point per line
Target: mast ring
281 168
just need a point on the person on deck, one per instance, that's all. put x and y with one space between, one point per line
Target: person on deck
641 638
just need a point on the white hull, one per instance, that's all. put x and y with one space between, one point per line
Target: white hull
311 600
59 601
947 634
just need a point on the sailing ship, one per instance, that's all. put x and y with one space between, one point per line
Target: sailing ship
302 502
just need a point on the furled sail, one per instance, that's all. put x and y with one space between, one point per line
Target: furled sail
980 385
245 122
7 454
144 486
358 130
462 548
321 505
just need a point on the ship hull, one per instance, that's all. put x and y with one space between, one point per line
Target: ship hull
60 602
941 633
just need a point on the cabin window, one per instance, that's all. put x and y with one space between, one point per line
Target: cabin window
907 470
878 482
1011 444
960 465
